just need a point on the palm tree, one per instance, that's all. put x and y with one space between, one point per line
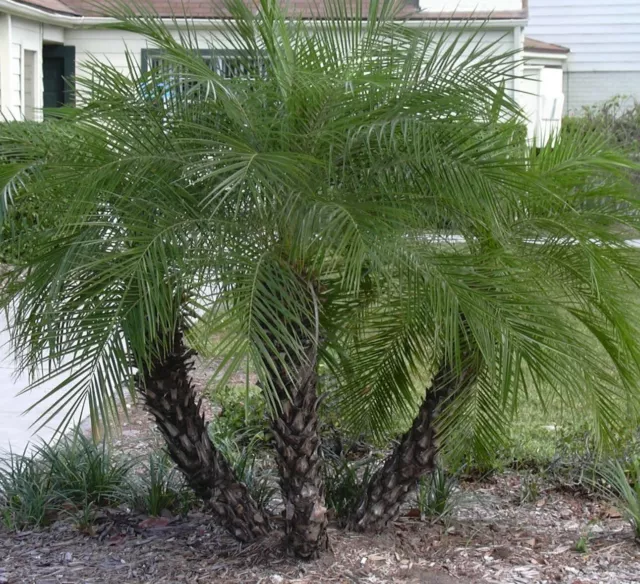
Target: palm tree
537 296
103 300
296 212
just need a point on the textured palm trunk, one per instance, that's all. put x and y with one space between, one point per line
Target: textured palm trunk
297 439
296 433
170 397
414 456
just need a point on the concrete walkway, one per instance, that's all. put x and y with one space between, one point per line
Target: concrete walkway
16 426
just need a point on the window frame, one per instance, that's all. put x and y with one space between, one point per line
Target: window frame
148 55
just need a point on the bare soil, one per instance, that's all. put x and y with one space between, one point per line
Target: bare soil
491 538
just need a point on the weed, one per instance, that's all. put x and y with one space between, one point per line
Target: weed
529 489
582 545
85 517
436 494
246 462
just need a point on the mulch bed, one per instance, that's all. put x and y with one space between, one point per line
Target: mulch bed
491 538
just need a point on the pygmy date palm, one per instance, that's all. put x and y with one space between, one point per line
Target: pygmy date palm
358 187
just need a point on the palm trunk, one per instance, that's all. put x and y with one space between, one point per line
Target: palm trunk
297 441
170 397
415 455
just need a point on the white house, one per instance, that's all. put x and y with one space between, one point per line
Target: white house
604 38
44 42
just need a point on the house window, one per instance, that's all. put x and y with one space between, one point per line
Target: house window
227 64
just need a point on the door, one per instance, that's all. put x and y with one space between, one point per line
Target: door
58 70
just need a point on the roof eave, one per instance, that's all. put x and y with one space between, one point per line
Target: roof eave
72 19
39 14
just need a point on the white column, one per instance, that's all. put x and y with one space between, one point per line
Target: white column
6 68
40 79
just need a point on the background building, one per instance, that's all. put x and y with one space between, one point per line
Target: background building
604 39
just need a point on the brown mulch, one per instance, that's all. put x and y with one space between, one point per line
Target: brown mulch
192 550
492 538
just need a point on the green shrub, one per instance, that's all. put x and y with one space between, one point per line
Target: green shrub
242 414
547 437
159 487
623 484
83 471
345 484
436 494
27 495
617 119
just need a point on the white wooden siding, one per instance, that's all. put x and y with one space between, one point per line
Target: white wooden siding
602 36
26 36
470 5
587 88
110 46
53 34
5 63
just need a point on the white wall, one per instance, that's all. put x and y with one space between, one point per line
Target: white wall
18 35
110 46
586 88
30 84
15 97
551 104
604 38
542 99
53 34
5 63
